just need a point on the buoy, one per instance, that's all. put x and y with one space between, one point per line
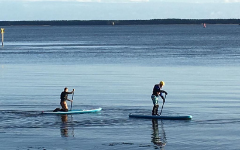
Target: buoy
2 32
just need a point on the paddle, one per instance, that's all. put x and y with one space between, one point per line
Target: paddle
72 99
162 106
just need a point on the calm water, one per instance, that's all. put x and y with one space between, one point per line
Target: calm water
115 67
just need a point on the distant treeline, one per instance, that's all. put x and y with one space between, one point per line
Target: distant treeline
119 22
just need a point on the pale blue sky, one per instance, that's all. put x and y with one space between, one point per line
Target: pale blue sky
118 9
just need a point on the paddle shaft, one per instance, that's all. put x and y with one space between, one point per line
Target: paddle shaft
72 99
161 109
162 106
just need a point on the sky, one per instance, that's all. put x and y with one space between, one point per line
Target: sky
12 10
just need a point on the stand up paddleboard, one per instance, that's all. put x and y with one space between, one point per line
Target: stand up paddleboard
161 117
82 111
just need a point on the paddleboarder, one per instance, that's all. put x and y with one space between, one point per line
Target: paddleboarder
64 98
157 92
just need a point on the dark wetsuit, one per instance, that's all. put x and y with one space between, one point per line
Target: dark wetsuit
64 97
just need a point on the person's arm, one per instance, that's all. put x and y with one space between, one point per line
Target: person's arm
162 91
70 93
69 100
163 98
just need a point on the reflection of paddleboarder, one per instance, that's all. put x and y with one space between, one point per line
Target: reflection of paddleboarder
159 141
64 127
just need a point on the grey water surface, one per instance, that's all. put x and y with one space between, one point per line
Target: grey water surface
116 67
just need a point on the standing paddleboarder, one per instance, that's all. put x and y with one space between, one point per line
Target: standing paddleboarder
157 91
64 98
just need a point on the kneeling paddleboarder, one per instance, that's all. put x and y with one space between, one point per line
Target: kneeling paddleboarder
64 98
157 92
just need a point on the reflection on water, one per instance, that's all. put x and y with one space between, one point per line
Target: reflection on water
158 136
65 130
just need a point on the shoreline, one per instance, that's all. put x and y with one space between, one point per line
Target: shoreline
120 22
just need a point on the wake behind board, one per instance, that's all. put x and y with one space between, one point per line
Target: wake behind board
81 111
161 117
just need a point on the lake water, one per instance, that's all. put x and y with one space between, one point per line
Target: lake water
116 67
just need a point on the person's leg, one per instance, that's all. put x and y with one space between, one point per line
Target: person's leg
156 109
153 110
155 103
57 109
64 106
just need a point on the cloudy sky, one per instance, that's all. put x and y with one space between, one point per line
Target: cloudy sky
118 9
